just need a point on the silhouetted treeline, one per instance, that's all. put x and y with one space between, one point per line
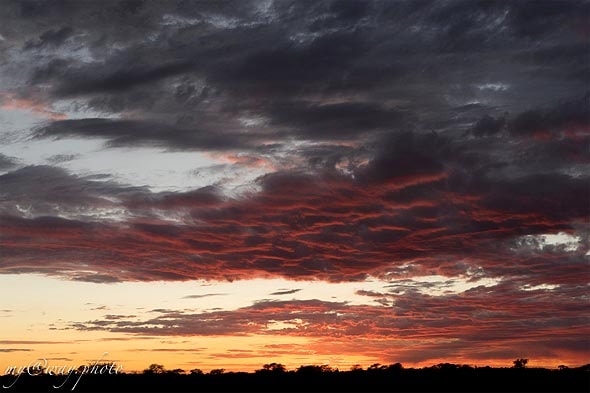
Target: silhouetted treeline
275 377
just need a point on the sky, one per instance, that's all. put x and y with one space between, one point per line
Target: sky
224 184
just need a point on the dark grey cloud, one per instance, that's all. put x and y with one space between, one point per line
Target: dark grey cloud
559 196
409 155
565 116
147 133
50 38
79 83
324 70
7 162
547 17
51 191
488 125
95 278
336 121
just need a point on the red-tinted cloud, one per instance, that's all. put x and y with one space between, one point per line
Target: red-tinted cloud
299 226
417 328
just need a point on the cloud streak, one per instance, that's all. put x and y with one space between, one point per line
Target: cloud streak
458 324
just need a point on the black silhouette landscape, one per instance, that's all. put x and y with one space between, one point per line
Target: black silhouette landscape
444 377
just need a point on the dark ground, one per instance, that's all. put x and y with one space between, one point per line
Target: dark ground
434 379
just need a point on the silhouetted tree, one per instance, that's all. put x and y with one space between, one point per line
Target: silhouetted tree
315 369
196 371
562 367
446 366
520 363
327 369
155 369
217 371
176 371
395 367
356 368
273 367
376 367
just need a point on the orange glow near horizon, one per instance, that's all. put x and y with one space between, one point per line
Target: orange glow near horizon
233 353
55 330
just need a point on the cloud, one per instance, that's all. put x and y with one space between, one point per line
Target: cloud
183 350
54 37
62 359
532 22
331 75
95 278
146 133
11 101
36 191
517 322
570 116
7 162
335 121
488 125
203 295
299 225
116 316
285 292
61 158
79 83
408 159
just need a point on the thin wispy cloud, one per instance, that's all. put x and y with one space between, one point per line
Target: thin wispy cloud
203 295
285 292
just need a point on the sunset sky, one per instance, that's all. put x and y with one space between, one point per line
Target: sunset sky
224 184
